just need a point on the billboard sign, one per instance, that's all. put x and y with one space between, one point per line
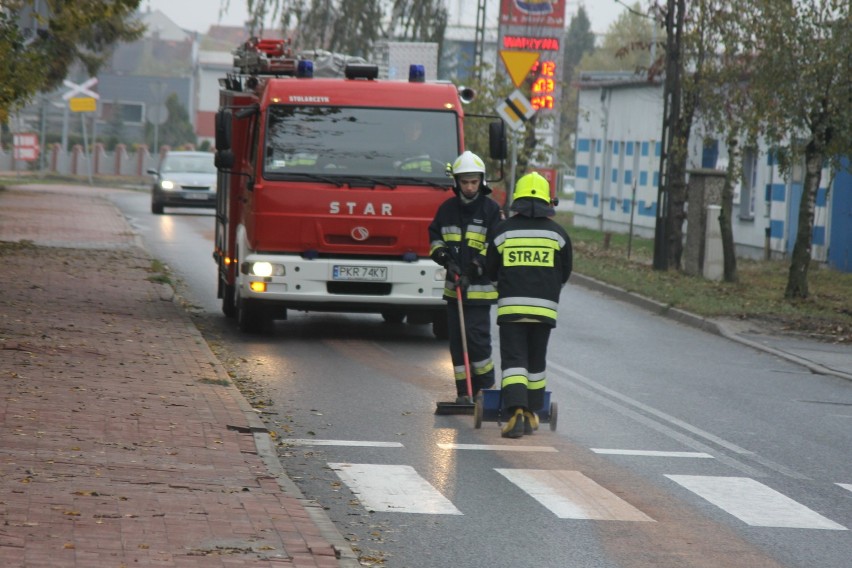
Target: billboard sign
548 13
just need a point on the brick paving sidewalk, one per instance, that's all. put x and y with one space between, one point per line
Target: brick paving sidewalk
123 441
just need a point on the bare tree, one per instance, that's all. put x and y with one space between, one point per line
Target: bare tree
352 26
725 104
803 62
418 20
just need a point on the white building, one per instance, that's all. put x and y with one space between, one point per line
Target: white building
617 173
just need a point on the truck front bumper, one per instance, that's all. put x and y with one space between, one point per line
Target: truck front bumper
355 285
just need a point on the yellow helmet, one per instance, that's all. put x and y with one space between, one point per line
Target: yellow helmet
533 185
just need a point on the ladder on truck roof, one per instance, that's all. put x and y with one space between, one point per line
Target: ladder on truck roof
265 57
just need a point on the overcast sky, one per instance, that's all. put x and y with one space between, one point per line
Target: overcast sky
199 15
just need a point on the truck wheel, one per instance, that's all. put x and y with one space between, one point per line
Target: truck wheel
250 319
440 326
229 308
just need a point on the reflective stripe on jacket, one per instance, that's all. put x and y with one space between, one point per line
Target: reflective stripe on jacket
462 230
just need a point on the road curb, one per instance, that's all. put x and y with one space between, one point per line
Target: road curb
699 322
266 450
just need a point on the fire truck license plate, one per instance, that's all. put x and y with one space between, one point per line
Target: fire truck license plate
372 273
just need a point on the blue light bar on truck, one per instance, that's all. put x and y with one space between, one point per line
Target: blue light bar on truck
305 69
416 73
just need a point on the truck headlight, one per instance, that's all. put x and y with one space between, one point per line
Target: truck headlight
265 269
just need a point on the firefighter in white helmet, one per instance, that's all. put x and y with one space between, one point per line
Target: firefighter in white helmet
459 240
530 258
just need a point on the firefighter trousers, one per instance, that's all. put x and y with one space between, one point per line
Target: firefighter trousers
477 323
523 358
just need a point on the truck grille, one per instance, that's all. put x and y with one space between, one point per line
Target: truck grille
359 288
371 241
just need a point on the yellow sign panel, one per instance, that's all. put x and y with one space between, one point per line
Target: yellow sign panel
519 64
520 102
515 110
83 104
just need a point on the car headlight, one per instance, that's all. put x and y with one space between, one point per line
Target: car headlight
167 184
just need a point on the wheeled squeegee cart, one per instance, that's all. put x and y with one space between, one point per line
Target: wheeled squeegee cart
488 406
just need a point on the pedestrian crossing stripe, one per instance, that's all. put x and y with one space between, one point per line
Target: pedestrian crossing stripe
754 503
497 447
393 488
572 495
651 453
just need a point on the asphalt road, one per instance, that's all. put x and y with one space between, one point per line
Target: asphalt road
673 447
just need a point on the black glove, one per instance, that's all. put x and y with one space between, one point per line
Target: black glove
463 282
453 271
475 270
441 257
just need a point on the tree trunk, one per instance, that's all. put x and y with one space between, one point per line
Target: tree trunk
729 251
677 208
797 280
683 104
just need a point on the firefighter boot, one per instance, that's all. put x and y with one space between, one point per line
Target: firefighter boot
530 422
514 428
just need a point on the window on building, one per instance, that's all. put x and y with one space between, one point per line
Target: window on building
710 153
748 187
126 112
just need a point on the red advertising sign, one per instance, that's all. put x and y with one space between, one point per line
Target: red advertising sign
549 13
550 175
25 146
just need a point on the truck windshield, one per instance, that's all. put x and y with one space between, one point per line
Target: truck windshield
348 141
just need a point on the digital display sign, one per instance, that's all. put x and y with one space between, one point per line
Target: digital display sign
544 85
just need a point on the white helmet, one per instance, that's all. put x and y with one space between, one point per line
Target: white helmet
470 163
467 163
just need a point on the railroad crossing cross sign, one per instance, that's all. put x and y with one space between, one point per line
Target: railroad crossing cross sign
81 89
88 102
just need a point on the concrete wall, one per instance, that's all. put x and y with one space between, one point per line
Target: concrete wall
121 162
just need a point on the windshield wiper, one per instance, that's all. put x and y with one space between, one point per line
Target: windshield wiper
420 180
315 177
375 181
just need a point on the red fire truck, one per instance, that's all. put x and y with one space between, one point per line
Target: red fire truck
327 186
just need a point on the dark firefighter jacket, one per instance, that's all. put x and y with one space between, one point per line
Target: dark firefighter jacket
461 229
530 258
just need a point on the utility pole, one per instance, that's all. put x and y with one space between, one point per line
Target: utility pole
479 40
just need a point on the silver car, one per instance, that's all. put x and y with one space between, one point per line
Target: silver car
184 179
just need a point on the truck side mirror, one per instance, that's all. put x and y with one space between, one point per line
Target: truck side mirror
497 140
224 159
223 130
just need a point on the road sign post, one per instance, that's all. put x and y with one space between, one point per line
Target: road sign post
85 101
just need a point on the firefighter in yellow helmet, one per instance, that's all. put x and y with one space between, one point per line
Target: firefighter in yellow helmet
530 259
458 242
